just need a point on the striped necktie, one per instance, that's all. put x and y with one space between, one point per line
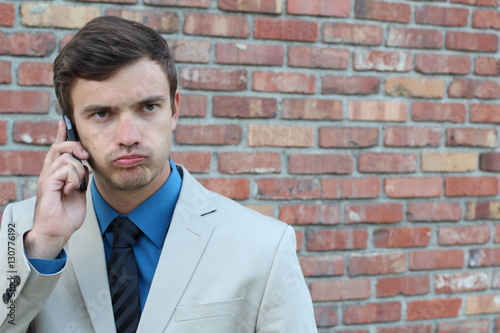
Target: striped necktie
123 275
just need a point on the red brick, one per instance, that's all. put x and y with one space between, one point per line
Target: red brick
434 211
350 188
402 285
415 87
377 111
470 88
382 11
244 162
401 237
160 21
300 83
347 33
27 44
7 14
398 136
457 283
190 51
193 106
179 3
482 304
493 3
267 6
299 235
221 134
484 257
442 64
213 79
24 101
338 240
35 132
348 137
485 113
382 61
216 25
471 137
420 187
374 213
468 41
8 190
489 161
310 214
495 280
340 290
433 309
352 85
445 16
320 164
287 188
436 259
438 112
339 8
21 163
5 76
486 66
427 328
3 132
483 210
314 57
448 162
280 136
387 163
194 161
497 235
234 188
414 38
244 107
471 186
377 263
285 29
313 109
463 235
465 326
249 54
486 19
35 74
325 315
113 1
372 313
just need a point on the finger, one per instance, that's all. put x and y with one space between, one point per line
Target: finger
59 163
61 132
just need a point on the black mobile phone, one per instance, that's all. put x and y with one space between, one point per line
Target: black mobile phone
71 135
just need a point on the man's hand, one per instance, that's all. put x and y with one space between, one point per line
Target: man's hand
60 206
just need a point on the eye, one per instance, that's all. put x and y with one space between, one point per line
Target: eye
101 114
150 107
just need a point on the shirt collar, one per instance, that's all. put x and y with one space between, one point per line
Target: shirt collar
153 216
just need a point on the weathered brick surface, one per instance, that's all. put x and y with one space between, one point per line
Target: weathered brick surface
369 126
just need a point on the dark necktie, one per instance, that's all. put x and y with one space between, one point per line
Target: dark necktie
123 276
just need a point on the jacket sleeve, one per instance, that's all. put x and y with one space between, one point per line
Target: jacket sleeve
286 305
23 290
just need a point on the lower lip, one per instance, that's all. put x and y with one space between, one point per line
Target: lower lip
130 161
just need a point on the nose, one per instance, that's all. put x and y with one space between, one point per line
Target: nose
128 133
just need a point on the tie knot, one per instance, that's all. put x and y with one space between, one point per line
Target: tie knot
125 232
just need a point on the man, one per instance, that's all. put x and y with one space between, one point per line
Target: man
146 248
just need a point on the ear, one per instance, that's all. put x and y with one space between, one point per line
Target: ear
176 109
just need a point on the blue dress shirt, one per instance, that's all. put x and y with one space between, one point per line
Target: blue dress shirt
153 217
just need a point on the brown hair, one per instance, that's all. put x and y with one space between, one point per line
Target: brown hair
104 45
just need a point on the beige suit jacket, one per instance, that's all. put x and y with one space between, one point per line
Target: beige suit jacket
223 269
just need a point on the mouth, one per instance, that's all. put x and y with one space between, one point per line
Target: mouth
129 160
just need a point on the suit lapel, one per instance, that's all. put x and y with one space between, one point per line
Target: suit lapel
186 240
87 254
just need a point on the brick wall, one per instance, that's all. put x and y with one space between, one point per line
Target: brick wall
370 126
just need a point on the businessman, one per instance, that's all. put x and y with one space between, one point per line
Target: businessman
145 248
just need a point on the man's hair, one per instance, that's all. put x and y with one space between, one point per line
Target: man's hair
103 46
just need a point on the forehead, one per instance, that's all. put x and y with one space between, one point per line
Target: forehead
132 82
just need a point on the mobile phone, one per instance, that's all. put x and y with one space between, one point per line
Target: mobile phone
71 135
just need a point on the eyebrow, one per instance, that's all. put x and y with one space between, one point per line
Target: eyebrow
99 108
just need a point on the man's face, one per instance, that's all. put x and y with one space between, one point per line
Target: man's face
126 124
